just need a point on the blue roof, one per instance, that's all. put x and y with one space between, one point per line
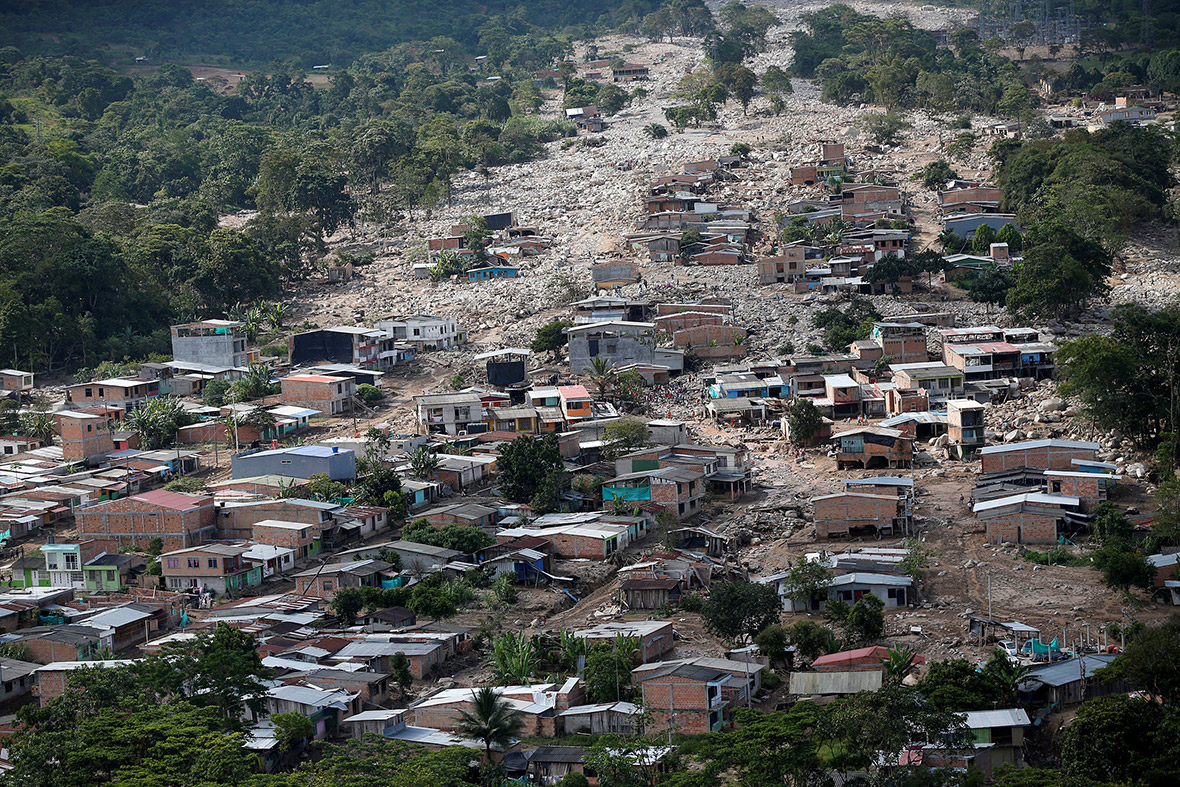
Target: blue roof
303 450
1068 671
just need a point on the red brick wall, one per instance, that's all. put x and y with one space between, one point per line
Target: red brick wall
663 697
1023 528
1047 458
285 537
128 521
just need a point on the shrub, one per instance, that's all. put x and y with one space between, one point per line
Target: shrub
273 351
369 393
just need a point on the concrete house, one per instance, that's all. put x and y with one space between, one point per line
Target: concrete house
965 426
425 332
1002 730
220 343
303 461
941 382
621 343
301 538
451 413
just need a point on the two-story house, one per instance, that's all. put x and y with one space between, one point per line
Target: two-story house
219 568
124 394
451 413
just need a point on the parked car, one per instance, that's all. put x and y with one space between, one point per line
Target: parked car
1008 647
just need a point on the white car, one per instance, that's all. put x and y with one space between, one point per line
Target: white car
1008 647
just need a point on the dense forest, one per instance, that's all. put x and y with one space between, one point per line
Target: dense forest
311 32
855 56
110 186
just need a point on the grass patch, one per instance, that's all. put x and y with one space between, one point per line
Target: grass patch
1057 556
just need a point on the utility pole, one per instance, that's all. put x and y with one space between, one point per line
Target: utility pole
989 594
233 411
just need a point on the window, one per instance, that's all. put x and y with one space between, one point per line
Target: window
194 562
212 562
326 584
173 562
71 562
89 392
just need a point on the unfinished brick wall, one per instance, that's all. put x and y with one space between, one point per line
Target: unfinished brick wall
129 522
1043 458
672 696
1022 528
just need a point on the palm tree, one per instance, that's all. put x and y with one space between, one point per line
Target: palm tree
897 663
423 463
490 719
1007 674
257 381
39 425
601 373
655 131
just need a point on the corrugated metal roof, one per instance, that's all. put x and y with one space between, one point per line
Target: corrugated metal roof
1005 717
807 683
1070 670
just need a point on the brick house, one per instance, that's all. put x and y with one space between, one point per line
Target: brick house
1090 488
216 567
941 382
180 520
745 676
868 447
124 394
16 380
903 342
302 537
684 698
324 581
69 642
718 342
1039 454
84 435
373 687
1030 518
677 490
377 652
538 705
471 514
53 677
237 520
326 393
849 514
